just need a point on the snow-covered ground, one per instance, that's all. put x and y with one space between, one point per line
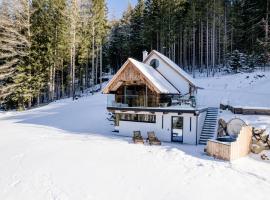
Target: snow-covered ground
66 150
244 90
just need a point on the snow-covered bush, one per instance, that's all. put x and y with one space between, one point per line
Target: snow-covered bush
235 61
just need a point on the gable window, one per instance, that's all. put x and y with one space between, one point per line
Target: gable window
154 63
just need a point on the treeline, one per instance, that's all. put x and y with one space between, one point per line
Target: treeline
205 35
49 49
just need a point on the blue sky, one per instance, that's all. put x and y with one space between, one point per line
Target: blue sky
116 7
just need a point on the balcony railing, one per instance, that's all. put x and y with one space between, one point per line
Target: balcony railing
122 101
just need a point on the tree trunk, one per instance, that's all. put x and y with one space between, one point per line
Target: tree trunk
93 57
213 37
193 42
225 34
207 44
100 73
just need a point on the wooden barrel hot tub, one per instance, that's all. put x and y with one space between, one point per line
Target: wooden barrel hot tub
231 150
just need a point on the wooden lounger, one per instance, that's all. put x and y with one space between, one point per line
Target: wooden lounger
137 137
153 140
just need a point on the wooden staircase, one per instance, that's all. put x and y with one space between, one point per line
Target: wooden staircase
210 125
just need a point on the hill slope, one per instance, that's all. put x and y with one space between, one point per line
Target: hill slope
245 89
66 150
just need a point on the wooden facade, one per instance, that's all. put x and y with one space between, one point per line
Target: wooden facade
232 150
129 75
132 88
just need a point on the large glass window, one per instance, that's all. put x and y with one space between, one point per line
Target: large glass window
135 118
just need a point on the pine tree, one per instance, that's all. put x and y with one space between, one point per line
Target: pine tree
14 48
235 61
137 41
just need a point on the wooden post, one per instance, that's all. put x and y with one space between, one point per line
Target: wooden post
146 99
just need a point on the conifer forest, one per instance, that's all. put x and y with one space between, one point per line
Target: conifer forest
53 49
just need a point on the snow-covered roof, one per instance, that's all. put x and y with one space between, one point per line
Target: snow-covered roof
155 77
172 64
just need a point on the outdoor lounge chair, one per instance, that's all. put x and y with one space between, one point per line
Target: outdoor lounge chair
137 137
152 139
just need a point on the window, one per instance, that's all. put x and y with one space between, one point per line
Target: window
154 63
177 129
135 118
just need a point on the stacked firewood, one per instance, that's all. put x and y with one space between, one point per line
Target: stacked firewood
222 128
260 140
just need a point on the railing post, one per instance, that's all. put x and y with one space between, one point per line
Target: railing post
145 99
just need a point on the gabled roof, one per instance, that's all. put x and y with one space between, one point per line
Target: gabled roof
150 74
174 66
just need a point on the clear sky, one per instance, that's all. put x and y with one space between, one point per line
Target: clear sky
117 7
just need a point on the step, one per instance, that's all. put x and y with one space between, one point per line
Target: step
208 120
206 136
209 124
208 133
203 141
209 128
211 115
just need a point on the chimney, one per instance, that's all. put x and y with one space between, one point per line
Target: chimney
145 54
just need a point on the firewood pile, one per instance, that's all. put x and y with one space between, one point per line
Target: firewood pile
260 141
222 128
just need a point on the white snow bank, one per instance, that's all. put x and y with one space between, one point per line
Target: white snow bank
65 150
243 90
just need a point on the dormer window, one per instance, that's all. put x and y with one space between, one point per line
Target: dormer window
154 63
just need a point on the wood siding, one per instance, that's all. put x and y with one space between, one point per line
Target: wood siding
129 76
233 150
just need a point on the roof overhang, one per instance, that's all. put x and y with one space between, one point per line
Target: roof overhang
116 82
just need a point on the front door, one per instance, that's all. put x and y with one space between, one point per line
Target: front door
177 129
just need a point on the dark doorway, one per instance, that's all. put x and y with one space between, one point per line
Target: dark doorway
177 129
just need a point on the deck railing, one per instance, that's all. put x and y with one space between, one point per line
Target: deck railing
123 101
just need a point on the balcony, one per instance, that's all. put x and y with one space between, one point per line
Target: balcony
150 101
